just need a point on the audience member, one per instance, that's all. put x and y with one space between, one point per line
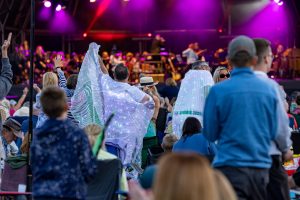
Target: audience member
221 74
61 151
11 131
189 177
6 74
280 148
192 140
192 95
241 119
67 85
168 142
93 132
171 89
49 80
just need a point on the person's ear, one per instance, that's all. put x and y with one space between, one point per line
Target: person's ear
66 107
254 61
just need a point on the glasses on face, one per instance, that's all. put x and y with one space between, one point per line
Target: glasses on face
224 75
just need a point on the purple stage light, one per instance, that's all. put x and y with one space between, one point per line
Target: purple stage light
278 2
58 8
47 4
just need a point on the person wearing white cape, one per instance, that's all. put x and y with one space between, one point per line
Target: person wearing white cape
97 96
192 94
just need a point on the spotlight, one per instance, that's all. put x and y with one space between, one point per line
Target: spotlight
220 30
58 8
149 34
92 1
47 4
84 34
278 2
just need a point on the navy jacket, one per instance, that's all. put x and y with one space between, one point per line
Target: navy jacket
62 160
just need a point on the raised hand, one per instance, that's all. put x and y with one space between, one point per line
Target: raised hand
58 62
25 91
5 46
36 88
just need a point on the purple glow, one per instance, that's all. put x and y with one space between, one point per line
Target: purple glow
280 3
44 14
47 4
62 22
58 8
272 22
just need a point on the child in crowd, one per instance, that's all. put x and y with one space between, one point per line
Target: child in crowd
168 141
62 160
93 131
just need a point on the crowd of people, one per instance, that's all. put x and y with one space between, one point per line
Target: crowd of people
223 134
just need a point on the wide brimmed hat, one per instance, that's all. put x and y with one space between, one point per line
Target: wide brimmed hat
14 126
147 81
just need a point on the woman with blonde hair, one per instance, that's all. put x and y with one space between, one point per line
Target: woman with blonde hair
180 176
49 80
221 74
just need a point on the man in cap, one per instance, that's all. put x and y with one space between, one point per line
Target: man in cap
11 131
192 94
239 114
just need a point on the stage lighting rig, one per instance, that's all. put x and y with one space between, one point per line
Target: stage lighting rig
57 4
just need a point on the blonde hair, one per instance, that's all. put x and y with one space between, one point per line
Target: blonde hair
171 82
224 188
184 176
216 75
49 80
92 131
168 142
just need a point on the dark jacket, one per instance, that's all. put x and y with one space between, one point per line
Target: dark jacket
62 160
6 76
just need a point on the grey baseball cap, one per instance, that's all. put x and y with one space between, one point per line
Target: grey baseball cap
241 43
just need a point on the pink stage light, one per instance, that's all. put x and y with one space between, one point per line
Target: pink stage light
92 1
85 35
149 34
58 8
47 4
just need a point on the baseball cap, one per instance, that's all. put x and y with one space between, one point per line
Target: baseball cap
241 43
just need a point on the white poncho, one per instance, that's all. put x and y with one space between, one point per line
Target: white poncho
191 98
97 96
